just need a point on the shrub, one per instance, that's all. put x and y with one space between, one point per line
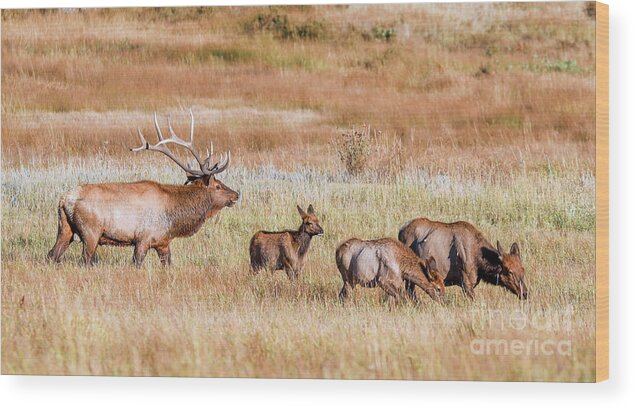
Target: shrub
547 65
383 33
282 28
311 30
354 148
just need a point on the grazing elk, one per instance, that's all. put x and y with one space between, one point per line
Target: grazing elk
285 250
464 256
386 263
144 214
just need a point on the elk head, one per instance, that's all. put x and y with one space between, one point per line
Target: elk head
310 223
430 270
511 275
205 175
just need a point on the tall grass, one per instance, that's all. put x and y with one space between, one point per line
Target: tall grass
487 116
208 316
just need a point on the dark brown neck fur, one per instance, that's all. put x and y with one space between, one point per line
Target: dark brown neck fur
191 207
489 264
303 240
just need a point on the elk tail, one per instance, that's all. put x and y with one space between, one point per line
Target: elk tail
254 255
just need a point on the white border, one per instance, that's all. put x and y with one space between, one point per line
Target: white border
172 392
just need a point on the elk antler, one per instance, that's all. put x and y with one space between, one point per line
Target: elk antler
206 168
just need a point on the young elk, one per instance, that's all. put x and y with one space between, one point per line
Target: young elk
388 264
144 214
464 256
285 250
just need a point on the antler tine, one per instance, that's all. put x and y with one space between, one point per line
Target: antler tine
206 169
171 129
222 164
162 148
144 143
210 153
158 129
180 142
191 128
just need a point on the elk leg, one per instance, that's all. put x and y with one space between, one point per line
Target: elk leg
256 266
469 277
410 289
140 250
468 290
289 267
164 255
90 247
64 237
343 293
290 272
391 289
467 287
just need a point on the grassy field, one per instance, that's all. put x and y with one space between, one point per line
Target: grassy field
486 114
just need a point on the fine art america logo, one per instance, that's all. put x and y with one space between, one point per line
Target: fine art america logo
551 333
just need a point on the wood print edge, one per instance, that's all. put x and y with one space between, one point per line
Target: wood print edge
602 194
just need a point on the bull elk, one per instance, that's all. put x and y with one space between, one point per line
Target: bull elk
464 256
285 250
144 214
386 263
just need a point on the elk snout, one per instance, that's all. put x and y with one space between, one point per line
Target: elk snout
437 294
523 293
233 199
519 289
440 290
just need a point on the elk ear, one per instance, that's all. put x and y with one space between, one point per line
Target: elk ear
190 179
310 209
515 249
198 181
301 212
206 179
500 250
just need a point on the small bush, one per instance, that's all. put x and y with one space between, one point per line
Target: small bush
383 33
381 60
354 148
547 65
311 30
561 66
282 28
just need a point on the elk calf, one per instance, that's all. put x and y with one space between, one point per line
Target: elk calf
285 250
388 264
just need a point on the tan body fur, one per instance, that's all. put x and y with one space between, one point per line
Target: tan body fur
145 214
284 250
386 263
464 256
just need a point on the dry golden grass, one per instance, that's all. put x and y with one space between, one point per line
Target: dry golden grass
492 106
